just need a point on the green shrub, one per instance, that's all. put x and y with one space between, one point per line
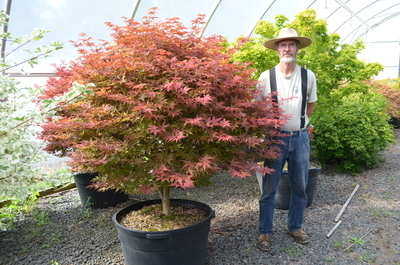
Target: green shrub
351 129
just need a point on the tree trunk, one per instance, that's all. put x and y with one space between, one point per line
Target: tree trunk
165 193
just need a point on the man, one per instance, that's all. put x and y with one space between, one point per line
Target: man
295 147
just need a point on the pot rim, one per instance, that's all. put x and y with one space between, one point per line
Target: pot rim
207 208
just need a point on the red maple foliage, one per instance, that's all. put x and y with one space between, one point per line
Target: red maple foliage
169 108
390 89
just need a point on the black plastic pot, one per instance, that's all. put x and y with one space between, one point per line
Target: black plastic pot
184 246
395 122
93 198
284 190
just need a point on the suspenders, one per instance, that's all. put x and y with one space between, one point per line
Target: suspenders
272 78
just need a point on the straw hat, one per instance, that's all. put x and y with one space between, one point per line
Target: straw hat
288 34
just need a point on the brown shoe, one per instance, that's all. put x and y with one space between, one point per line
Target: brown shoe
300 236
264 242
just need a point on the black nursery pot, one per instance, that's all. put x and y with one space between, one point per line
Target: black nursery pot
284 190
93 198
395 122
184 246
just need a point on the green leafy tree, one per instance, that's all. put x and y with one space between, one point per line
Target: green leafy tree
19 150
338 72
334 64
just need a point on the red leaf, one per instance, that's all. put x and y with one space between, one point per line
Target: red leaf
194 121
204 100
156 130
176 136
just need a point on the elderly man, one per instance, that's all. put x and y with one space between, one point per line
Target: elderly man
296 94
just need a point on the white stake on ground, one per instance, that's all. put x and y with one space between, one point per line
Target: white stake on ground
347 203
333 229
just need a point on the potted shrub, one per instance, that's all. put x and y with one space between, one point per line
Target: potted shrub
167 108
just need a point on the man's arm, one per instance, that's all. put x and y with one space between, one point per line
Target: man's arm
310 108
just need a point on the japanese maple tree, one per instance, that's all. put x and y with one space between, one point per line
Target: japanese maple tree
167 108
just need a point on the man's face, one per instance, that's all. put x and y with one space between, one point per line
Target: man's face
287 50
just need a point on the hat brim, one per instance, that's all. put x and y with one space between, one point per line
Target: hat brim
304 42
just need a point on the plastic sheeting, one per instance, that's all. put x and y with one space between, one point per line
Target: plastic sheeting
374 21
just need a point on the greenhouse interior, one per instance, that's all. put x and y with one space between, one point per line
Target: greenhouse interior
374 22
149 101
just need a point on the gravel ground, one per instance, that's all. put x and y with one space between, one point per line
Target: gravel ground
61 231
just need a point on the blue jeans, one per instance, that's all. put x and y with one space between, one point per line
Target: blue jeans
295 149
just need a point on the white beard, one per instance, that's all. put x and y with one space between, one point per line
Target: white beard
287 59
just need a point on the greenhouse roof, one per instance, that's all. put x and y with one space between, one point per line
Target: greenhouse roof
373 21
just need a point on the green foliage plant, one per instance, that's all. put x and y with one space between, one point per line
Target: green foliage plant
168 109
352 129
357 240
17 206
350 126
19 151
